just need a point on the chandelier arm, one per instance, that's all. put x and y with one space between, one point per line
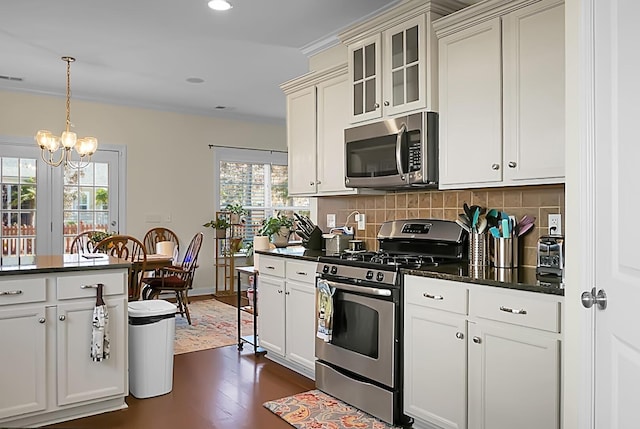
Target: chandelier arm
50 161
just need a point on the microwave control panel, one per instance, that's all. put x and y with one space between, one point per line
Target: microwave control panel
415 151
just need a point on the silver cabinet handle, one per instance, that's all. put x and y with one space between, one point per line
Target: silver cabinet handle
11 292
377 105
495 166
88 286
41 320
512 164
459 335
590 298
301 273
270 267
477 340
386 103
436 297
62 318
512 311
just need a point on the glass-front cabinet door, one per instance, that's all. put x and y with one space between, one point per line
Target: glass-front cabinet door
364 74
404 67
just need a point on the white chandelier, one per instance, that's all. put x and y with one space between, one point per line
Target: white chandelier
50 143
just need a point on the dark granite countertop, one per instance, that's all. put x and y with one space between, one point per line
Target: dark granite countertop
59 263
523 278
294 252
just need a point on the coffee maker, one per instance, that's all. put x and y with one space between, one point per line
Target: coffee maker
550 255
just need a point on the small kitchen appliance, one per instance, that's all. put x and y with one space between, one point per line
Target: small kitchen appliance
360 360
550 255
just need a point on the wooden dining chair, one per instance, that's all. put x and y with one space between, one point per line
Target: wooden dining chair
131 249
177 279
156 235
82 243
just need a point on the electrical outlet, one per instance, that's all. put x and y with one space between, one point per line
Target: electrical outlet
331 220
555 224
361 222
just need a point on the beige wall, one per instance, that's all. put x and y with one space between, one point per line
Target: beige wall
169 165
538 201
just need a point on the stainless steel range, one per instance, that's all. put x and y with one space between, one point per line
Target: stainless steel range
359 323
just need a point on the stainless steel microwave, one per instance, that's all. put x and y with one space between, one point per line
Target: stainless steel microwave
395 153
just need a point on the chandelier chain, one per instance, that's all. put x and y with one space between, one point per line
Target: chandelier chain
68 60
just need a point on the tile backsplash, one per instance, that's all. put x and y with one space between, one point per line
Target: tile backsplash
538 201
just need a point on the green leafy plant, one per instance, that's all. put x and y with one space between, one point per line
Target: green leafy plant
272 224
220 223
236 208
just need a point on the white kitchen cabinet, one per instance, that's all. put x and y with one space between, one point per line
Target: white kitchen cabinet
393 61
316 118
287 312
501 68
480 357
45 330
435 350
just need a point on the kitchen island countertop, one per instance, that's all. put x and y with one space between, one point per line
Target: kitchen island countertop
60 263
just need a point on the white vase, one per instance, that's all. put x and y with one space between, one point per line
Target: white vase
260 242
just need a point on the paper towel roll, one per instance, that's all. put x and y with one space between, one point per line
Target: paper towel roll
164 248
260 242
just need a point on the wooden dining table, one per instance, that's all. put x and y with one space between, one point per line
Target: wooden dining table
154 262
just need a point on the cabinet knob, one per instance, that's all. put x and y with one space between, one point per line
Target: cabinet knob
459 335
495 166
386 103
62 318
279 291
512 164
477 340
377 105
311 183
41 320
287 293
318 182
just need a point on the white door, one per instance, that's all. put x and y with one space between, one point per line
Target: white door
271 314
300 323
616 204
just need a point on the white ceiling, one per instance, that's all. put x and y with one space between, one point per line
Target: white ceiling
140 52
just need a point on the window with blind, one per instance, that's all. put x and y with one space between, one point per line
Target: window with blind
258 181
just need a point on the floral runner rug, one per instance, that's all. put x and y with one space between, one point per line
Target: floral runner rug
317 410
213 324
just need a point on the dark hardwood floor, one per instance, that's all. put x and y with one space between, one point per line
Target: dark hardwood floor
212 389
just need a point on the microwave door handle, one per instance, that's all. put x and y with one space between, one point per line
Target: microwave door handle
401 131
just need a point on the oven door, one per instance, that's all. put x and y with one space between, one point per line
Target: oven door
363 337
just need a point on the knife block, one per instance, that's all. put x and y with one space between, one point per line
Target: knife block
315 240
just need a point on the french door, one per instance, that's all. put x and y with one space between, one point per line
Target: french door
43 207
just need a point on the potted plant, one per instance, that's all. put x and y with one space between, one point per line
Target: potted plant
278 228
220 225
236 212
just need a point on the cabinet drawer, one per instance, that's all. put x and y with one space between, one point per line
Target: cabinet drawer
71 286
271 266
517 309
19 291
301 271
435 293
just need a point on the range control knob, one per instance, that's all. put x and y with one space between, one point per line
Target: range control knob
334 270
325 269
380 276
369 275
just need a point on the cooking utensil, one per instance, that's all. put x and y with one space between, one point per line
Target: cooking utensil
495 231
463 225
522 229
464 219
482 224
476 215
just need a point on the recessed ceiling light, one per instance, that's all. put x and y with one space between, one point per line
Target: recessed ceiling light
220 5
195 80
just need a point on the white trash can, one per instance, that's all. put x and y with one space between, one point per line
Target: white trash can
152 327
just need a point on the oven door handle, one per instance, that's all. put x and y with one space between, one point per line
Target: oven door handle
363 289
401 131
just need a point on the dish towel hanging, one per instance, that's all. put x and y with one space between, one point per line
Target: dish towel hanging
100 330
325 311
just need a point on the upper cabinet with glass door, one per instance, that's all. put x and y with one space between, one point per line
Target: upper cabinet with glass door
393 60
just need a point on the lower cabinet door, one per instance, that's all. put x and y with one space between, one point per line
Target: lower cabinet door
435 367
22 360
271 314
514 378
79 377
300 323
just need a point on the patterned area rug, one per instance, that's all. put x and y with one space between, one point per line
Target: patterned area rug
317 410
213 324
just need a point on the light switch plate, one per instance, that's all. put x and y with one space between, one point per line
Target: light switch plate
331 220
